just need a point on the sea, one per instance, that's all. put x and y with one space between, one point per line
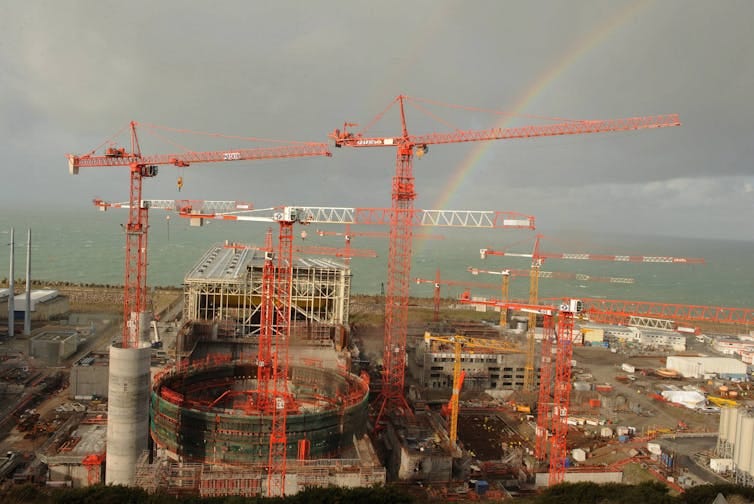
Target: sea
87 246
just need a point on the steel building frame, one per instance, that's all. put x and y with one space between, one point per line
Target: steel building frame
225 287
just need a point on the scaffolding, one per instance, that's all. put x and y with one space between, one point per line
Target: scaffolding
220 480
225 288
205 412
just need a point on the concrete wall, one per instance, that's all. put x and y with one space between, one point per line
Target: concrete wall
542 479
51 309
89 380
75 473
434 370
46 350
424 466
54 346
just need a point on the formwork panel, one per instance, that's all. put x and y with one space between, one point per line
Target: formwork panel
195 416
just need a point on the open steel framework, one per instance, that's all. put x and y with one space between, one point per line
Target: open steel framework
225 286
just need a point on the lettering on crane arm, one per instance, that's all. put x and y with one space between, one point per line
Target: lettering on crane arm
231 156
375 141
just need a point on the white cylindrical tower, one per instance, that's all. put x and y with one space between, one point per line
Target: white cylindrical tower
746 438
733 426
127 412
725 412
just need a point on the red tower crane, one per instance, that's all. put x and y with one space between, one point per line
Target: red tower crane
273 396
621 310
508 273
561 397
538 258
613 311
382 217
348 235
346 252
403 195
437 282
140 167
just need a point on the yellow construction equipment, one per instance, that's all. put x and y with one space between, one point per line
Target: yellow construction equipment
721 401
459 342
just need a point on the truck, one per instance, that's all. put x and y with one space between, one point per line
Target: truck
628 368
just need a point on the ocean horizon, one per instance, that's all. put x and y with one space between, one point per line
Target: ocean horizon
87 246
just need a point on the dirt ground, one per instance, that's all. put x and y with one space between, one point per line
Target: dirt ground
635 396
487 436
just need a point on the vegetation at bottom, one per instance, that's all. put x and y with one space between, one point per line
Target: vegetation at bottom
29 494
567 493
643 493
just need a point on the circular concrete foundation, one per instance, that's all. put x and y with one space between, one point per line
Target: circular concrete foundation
213 413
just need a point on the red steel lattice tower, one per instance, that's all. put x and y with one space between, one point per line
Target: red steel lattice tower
266 323
545 390
135 288
403 195
538 258
561 397
438 282
283 292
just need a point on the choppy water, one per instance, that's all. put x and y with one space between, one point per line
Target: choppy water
88 246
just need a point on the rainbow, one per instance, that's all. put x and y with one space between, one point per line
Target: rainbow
583 46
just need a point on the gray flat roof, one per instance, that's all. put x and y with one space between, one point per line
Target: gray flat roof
221 263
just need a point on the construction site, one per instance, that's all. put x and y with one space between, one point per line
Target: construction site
264 375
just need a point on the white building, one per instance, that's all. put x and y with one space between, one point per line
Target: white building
666 339
732 346
697 366
648 337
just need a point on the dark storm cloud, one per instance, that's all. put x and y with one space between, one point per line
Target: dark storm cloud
75 72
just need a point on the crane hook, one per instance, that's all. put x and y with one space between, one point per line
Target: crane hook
180 183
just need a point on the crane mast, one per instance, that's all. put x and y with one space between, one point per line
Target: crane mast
538 258
266 323
403 194
437 282
348 236
283 292
561 389
459 342
135 317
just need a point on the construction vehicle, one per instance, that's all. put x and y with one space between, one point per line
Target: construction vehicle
721 401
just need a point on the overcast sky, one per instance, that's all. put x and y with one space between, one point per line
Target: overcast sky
74 73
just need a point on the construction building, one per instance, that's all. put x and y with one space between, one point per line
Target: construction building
419 449
358 466
89 376
46 304
74 454
199 414
54 345
225 286
210 427
642 337
702 366
484 369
